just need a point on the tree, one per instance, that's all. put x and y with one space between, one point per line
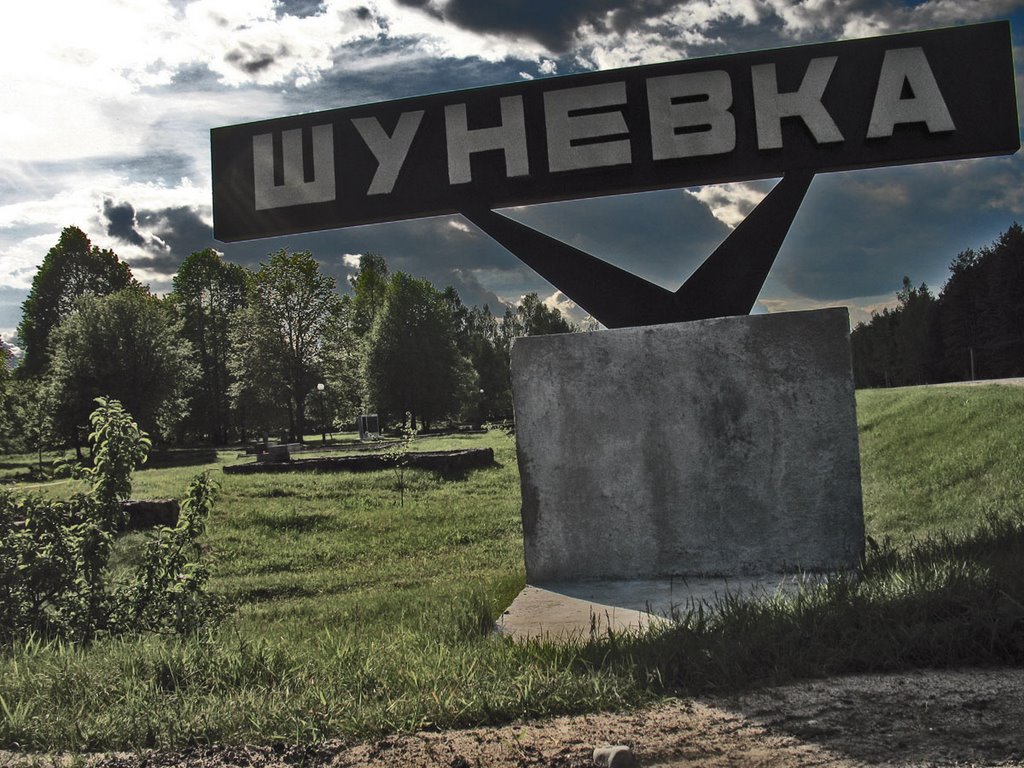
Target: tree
207 290
413 365
340 367
294 300
72 268
6 398
899 346
1002 317
960 309
6 357
533 318
873 347
258 389
478 338
915 333
370 287
126 346
491 361
974 328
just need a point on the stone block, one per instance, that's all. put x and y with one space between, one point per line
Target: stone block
711 448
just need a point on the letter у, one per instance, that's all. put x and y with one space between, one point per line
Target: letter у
390 151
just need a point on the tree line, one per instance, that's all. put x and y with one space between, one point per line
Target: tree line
974 328
232 353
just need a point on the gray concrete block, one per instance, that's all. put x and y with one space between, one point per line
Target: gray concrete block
619 756
717 447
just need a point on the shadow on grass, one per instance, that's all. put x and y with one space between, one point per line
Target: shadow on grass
296 523
13 464
168 458
462 474
264 594
942 602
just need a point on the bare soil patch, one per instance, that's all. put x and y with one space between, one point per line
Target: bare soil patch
924 718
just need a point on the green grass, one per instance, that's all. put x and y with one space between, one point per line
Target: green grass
939 459
357 615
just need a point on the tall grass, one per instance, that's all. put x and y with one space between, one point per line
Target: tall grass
357 616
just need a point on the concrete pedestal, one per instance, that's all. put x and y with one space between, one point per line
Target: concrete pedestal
724 447
576 611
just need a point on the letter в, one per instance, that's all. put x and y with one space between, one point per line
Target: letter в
699 100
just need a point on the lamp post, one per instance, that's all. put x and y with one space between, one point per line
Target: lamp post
323 426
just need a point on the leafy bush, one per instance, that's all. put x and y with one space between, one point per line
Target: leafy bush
55 576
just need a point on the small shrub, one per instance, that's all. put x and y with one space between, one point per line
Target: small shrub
54 555
119 447
397 453
168 591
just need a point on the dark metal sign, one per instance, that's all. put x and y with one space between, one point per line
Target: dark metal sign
916 97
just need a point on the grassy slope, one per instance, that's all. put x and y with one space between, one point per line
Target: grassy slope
357 615
937 459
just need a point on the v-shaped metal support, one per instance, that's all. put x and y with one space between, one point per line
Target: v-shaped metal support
727 283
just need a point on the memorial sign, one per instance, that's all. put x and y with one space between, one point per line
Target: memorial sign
907 98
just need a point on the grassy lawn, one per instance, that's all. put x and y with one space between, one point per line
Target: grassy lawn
355 614
938 459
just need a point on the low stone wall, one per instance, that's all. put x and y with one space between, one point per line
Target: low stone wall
445 462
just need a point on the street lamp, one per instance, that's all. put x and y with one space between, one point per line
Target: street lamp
323 426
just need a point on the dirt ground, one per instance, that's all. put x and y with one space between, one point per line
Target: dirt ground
927 718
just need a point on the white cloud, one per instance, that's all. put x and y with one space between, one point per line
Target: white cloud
435 38
559 301
569 308
21 259
861 308
730 203
350 260
79 202
122 83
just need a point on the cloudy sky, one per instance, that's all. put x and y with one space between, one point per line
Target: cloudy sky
107 107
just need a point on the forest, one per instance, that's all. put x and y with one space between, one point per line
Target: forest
974 328
230 354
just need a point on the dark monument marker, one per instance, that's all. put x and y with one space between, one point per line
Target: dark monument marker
793 112
725 447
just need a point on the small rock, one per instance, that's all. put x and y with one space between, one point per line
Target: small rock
618 756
